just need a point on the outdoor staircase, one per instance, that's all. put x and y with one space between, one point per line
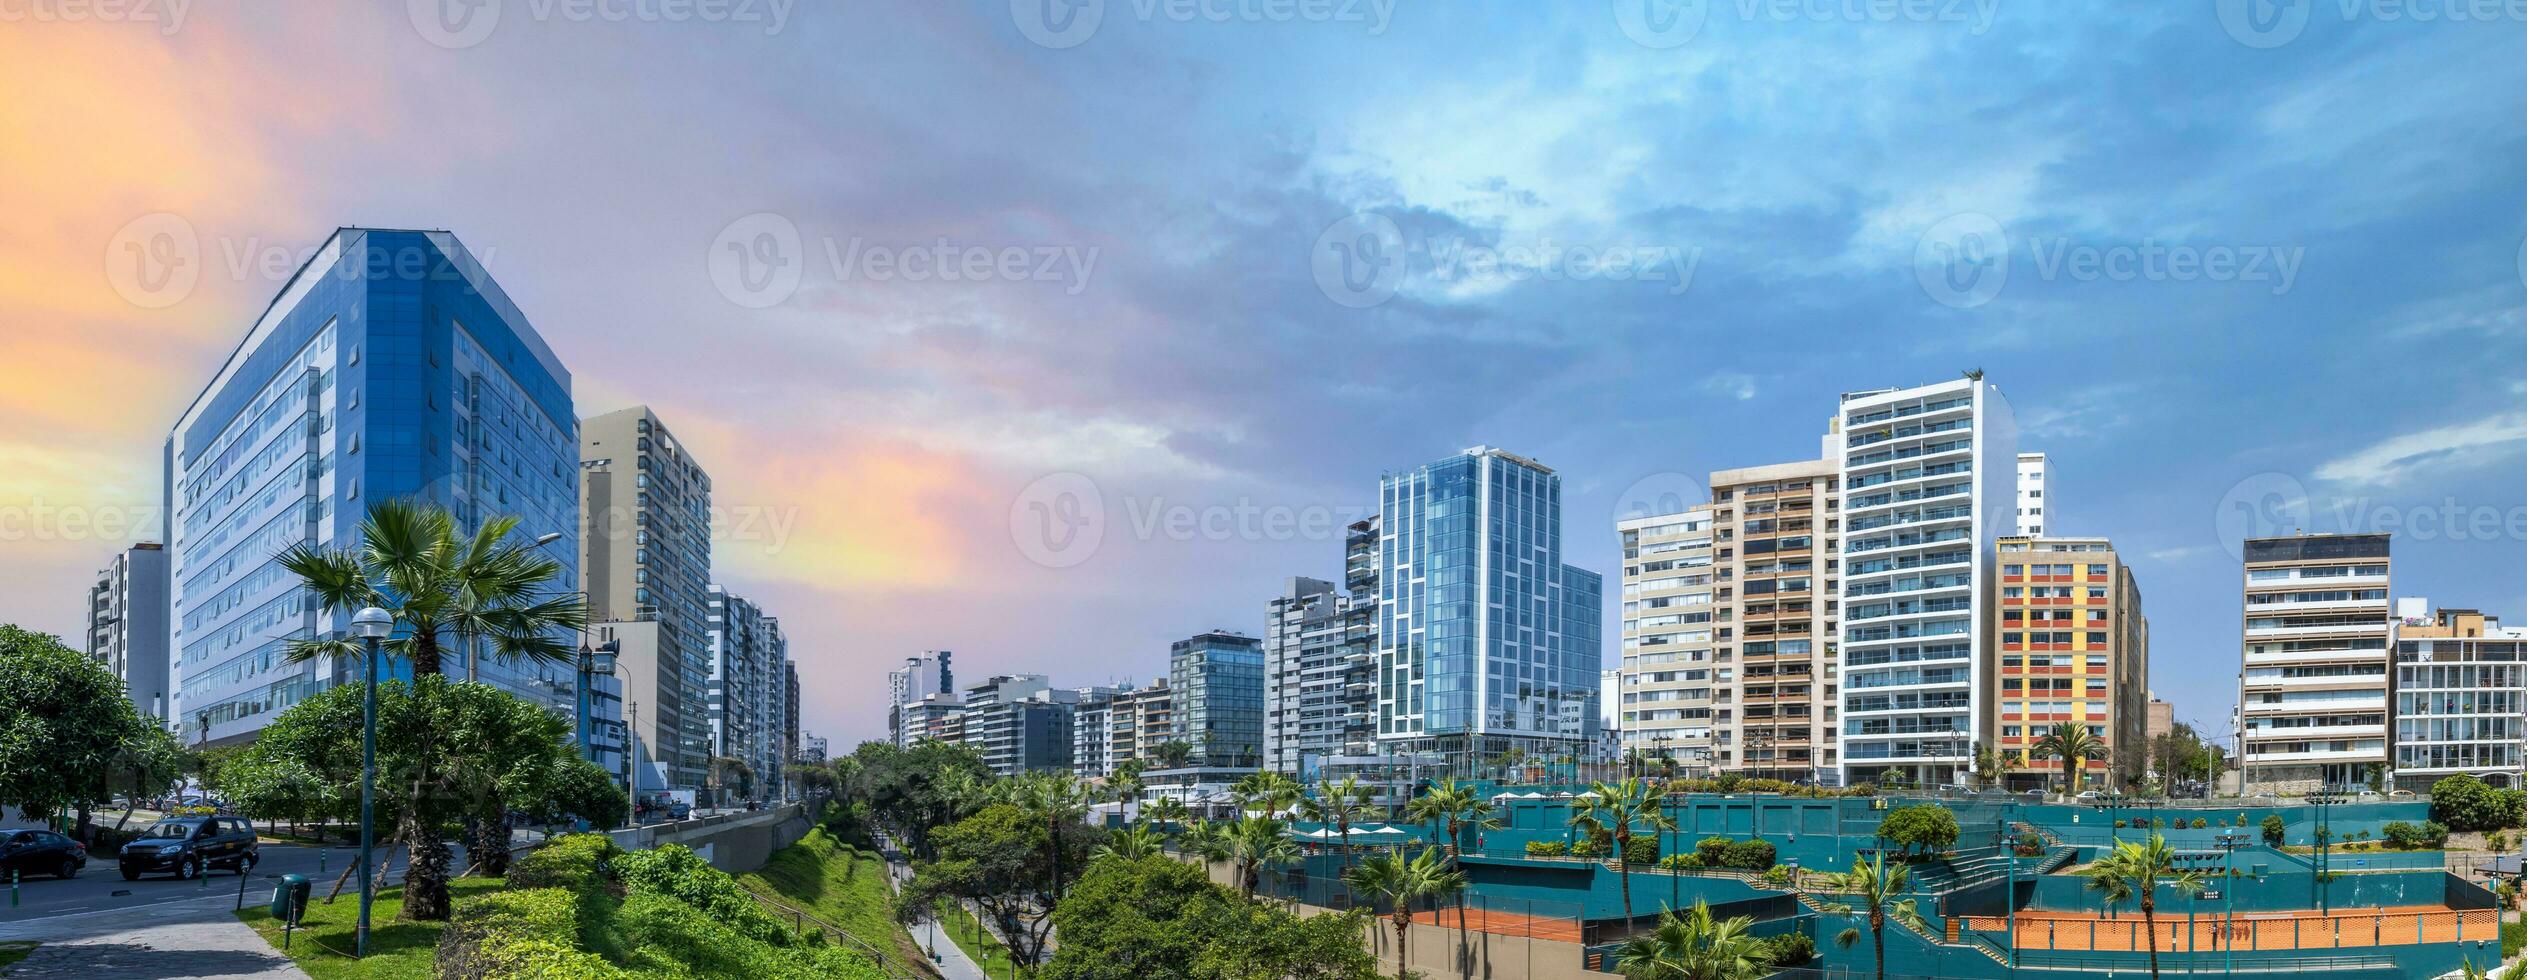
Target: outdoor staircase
2062 857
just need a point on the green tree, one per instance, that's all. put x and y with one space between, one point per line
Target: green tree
1132 844
65 725
2275 830
441 586
1257 844
2465 803
1874 890
146 766
1924 828
1391 879
1270 792
1167 811
1337 805
2140 868
1001 861
1174 753
279 788
1154 917
1693 946
1614 808
2073 746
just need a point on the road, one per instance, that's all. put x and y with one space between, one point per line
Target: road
101 887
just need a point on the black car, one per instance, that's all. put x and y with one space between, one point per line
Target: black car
189 845
40 852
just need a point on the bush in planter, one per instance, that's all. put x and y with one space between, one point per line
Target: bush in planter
2119 823
1713 851
2200 823
1778 874
1681 862
2274 830
1587 848
2434 834
1752 855
1641 849
1791 949
1547 848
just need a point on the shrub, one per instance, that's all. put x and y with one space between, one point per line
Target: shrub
2465 803
1778 874
2403 836
674 871
2159 823
1752 855
519 933
1920 828
1587 848
572 861
1547 848
2275 831
1641 849
1681 862
2434 834
673 939
2119 824
1713 851
2200 823
1792 949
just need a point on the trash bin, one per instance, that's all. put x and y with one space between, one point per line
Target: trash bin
289 898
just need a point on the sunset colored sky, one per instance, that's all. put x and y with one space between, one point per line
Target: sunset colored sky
910 278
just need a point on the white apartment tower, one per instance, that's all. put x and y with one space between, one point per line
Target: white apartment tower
2032 487
1928 484
1667 673
2313 691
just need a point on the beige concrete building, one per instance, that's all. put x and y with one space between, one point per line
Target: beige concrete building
1668 672
645 512
2313 688
1777 530
2073 648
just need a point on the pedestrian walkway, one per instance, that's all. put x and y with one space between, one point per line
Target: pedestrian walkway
952 963
187 939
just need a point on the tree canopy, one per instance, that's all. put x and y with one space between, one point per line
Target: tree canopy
65 725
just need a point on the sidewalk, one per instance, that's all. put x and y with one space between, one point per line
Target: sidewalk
953 963
195 938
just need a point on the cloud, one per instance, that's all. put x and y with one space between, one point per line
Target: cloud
2450 448
2086 413
1731 384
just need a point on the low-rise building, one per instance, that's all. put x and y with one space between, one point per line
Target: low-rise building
2460 696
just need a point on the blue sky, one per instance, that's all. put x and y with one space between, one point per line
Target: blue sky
2277 262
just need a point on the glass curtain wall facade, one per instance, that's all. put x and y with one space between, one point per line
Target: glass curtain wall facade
1218 680
390 366
1487 644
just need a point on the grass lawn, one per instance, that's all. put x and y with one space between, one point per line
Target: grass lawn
959 924
15 950
325 937
842 885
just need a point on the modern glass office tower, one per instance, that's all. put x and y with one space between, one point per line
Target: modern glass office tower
1487 643
1929 482
1218 680
390 366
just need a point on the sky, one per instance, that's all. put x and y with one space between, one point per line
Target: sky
1050 331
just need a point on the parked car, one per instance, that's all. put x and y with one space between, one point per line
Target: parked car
189 846
2401 794
41 852
679 810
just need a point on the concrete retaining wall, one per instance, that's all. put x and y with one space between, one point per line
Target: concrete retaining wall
732 842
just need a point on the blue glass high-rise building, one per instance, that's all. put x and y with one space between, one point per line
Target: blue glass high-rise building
1487 642
390 366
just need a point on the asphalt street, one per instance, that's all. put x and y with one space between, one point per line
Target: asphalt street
101 886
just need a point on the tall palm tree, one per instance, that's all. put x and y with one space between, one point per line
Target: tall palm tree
1257 843
1173 753
1614 808
1392 879
1337 804
1454 806
2140 867
441 586
2073 745
1166 811
1271 792
1125 787
1695 947
1208 840
1875 889
1057 798
1132 844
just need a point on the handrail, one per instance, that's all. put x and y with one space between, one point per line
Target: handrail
876 956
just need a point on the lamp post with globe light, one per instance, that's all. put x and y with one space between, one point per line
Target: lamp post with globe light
371 625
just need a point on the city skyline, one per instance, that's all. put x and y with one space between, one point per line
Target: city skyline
874 438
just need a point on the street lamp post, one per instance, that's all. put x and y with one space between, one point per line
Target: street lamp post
2230 841
371 624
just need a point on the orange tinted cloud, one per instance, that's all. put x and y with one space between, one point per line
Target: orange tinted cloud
893 518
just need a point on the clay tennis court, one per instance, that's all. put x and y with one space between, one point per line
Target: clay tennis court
2395 926
1503 923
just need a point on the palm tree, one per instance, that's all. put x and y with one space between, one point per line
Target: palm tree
2073 745
1166 811
1987 768
1257 843
1173 753
1125 786
1271 792
413 562
1876 888
2140 867
1694 947
1337 804
1207 840
1132 844
1396 881
1455 806
441 586
1613 808
1059 798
